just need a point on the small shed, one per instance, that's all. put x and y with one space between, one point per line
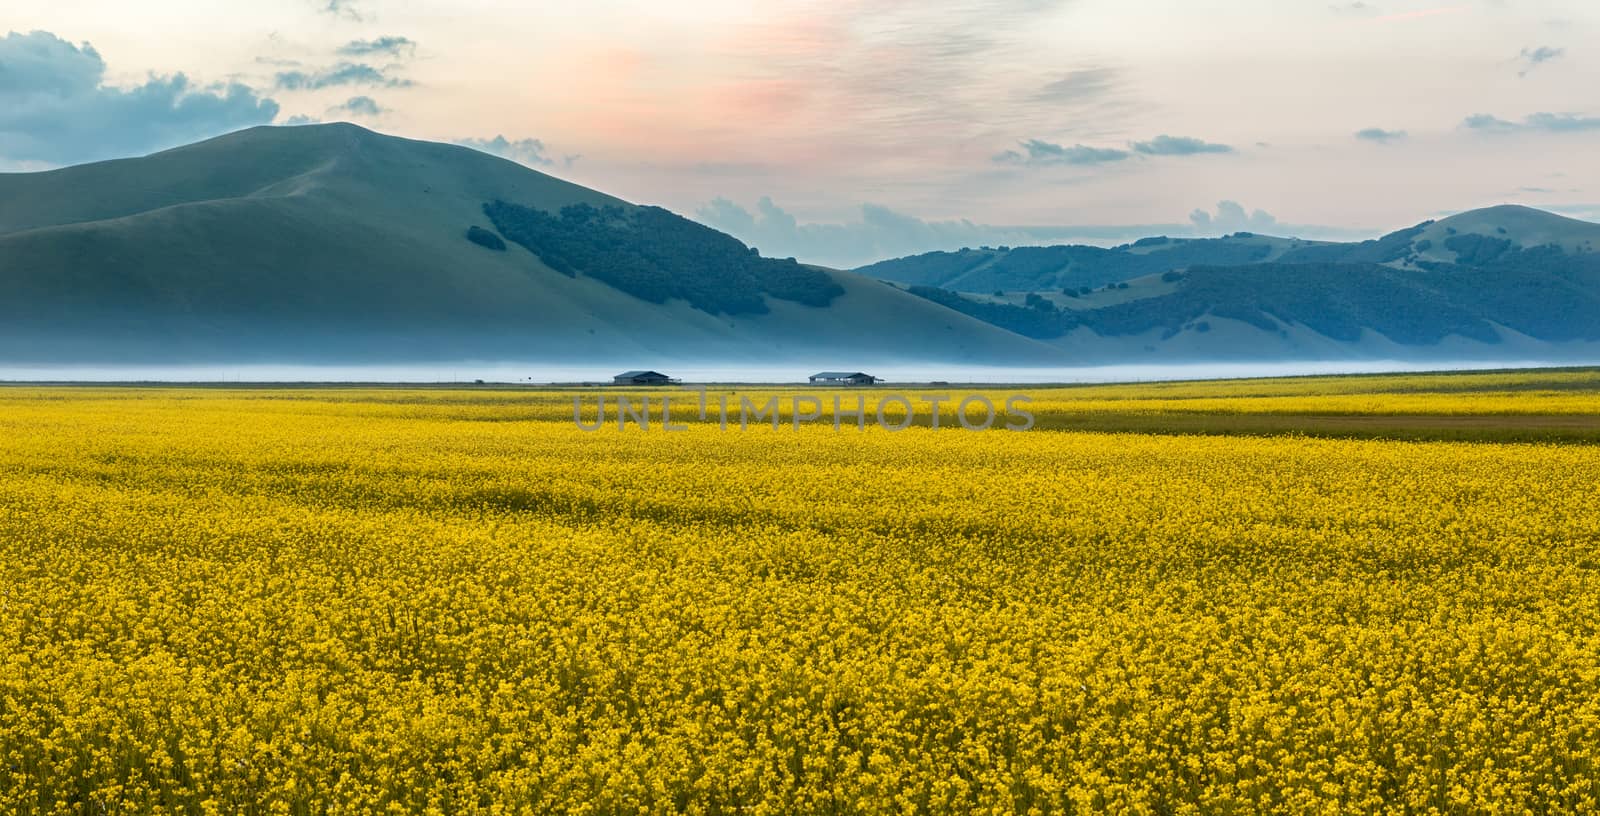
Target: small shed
842 378
642 378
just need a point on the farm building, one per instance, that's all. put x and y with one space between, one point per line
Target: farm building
842 378
642 378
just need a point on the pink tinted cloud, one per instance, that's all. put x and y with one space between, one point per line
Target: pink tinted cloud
858 87
767 99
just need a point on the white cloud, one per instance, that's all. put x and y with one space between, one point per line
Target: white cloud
56 109
530 152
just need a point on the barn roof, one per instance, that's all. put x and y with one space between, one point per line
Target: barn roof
838 375
628 375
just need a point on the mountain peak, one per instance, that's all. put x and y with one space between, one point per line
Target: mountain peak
1521 225
313 241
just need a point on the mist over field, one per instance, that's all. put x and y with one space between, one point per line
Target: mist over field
508 372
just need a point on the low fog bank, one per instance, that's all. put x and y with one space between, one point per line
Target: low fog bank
532 373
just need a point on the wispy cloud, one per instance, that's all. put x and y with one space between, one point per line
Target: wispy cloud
1079 85
1165 145
1545 122
529 152
391 45
1038 153
358 106
1562 122
1381 136
345 73
1532 58
348 9
1489 123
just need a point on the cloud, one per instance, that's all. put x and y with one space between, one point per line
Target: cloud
1231 217
359 106
1078 85
880 233
1483 121
343 8
302 119
1041 153
1545 122
529 152
1532 58
1380 135
1561 122
1165 145
56 109
345 73
397 47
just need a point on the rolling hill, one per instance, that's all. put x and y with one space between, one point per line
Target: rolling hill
1053 268
1491 283
334 243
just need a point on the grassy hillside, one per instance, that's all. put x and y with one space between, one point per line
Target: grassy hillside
335 242
1463 239
1055 268
1337 301
1486 272
1522 225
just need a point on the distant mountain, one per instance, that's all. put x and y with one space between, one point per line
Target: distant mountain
334 243
1493 282
1046 268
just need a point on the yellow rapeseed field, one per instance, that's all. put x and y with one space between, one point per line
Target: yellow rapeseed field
426 601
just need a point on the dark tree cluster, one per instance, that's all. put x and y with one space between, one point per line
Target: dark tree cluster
484 238
1544 291
1473 249
1028 321
656 256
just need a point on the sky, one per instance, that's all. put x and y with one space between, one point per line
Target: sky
847 131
